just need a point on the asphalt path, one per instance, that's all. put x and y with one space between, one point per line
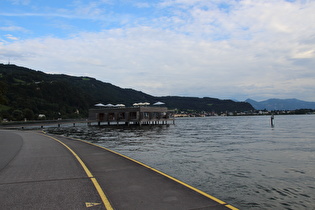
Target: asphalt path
40 171
37 172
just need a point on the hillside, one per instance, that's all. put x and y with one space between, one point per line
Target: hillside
281 104
26 93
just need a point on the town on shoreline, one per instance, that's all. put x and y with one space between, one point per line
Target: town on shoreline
245 113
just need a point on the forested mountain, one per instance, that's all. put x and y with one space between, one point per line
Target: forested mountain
26 93
281 104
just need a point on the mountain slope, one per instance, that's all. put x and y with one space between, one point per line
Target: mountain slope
281 104
25 93
205 104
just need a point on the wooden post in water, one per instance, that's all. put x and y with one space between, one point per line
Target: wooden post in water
272 121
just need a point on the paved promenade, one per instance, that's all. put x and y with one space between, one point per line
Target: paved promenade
39 171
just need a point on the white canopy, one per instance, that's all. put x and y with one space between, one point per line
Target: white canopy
141 104
159 103
120 105
99 105
109 105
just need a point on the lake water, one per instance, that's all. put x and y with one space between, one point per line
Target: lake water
240 160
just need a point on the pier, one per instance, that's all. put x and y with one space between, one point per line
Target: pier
41 171
145 115
139 115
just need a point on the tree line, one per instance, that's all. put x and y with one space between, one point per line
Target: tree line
29 94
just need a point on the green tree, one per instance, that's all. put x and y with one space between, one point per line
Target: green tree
28 114
3 89
5 114
17 115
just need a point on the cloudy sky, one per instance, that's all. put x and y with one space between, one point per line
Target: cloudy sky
235 49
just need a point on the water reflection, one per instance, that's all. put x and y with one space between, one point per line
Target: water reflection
241 160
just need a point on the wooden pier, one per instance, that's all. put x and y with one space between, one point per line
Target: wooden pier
145 115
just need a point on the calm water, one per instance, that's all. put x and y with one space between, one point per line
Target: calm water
240 160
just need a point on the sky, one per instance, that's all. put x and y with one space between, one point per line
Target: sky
227 49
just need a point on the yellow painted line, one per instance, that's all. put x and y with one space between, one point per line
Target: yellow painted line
168 176
231 207
100 191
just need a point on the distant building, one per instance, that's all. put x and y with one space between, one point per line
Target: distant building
131 115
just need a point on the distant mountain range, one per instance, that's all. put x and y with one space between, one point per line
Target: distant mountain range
281 104
26 93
